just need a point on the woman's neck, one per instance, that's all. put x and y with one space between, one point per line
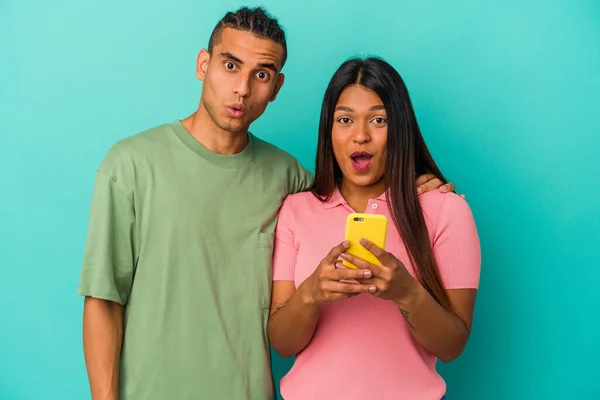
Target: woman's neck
358 196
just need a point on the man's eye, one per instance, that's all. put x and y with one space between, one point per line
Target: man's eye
262 75
229 65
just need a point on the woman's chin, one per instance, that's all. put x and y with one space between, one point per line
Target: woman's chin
362 180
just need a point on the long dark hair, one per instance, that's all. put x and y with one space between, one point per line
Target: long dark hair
407 158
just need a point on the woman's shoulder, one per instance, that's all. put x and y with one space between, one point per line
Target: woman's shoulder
435 197
299 202
301 199
437 205
299 211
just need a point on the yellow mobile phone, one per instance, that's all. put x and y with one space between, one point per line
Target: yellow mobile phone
372 227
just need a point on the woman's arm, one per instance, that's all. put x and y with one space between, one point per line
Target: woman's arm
456 249
443 333
292 320
294 313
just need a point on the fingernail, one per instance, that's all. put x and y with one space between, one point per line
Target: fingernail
372 289
344 256
419 190
362 241
367 274
346 243
340 266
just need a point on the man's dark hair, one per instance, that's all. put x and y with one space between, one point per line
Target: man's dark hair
256 21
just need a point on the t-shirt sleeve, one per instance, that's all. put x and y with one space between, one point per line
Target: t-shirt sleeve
109 257
306 179
302 179
456 247
285 251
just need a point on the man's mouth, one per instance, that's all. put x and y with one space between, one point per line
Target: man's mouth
235 110
361 160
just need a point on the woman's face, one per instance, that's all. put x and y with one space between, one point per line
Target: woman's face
359 135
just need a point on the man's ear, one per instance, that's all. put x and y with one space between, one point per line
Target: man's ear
202 64
278 85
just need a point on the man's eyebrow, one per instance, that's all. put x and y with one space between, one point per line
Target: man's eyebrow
231 57
270 66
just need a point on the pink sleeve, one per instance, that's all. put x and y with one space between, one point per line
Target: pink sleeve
456 246
284 252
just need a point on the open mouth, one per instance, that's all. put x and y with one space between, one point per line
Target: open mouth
361 160
235 111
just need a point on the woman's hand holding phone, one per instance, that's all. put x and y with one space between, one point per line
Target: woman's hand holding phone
325 286
392 279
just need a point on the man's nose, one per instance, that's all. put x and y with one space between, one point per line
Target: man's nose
242 87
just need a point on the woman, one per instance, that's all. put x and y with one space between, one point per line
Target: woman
375 332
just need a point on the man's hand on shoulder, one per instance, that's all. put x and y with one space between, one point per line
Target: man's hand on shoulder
428 182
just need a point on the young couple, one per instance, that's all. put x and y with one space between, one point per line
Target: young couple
179 302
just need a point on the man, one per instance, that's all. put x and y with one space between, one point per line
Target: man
176 270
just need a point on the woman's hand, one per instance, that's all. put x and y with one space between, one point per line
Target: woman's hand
325 286
391 278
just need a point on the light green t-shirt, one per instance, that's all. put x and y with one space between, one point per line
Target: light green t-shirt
183 237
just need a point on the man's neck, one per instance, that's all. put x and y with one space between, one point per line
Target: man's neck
215 139
358 196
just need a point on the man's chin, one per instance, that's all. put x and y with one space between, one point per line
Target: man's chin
234 127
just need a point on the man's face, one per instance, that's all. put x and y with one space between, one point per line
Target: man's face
240 78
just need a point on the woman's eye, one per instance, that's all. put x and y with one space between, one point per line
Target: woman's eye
380 120
262 75
344 120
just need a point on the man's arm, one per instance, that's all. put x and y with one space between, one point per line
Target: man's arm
102 338
107 274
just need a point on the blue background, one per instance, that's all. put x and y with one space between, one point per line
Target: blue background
508 98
